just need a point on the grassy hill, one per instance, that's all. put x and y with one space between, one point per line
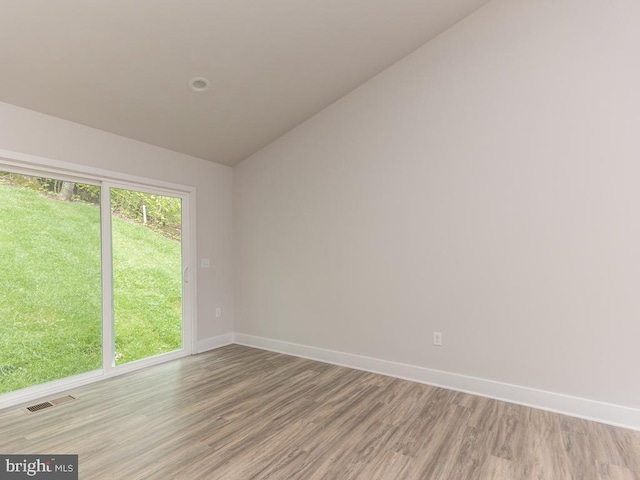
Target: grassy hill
50 289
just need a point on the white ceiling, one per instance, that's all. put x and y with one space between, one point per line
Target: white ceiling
123 65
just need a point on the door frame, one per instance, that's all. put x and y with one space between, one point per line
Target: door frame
40 166
108 323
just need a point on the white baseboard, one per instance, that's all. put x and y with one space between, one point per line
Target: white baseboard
214 342
611 414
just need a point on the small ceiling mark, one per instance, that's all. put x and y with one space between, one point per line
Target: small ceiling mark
199 84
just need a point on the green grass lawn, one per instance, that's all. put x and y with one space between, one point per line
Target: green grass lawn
50 289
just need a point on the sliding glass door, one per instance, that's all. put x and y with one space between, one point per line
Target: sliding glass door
147 274
92 278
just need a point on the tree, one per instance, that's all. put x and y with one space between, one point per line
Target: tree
66 191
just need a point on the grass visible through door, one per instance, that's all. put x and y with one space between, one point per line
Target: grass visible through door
50 289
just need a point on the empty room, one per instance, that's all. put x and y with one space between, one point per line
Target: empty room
320 239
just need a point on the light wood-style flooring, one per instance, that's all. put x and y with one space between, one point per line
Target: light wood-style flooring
241 413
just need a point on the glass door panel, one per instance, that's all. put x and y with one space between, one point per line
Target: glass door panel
50 280
147 274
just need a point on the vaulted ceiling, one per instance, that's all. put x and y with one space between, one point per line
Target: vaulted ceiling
124 66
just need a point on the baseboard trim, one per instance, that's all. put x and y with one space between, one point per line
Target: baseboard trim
616 415
212 343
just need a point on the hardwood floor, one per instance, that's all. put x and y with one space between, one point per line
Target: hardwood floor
241 413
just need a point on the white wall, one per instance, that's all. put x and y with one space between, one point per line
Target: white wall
29 132
487 186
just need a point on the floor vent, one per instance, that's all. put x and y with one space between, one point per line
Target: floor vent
52 403
39 406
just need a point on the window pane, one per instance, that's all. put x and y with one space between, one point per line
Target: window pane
50 280
147 274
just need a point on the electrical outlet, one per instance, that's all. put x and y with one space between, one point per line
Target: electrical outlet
437 339
218 312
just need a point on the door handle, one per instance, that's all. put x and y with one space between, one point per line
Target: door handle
184 274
